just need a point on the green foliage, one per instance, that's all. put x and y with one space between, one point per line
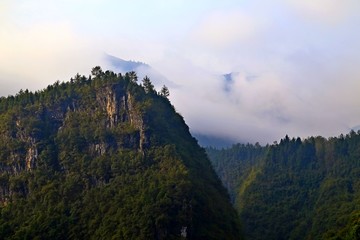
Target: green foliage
105 158
296 189
164 91
148 86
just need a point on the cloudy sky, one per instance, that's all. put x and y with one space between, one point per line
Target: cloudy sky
295 63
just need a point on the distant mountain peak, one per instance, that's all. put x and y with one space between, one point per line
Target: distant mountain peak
124 65
213 141
230 78
142 69
356 128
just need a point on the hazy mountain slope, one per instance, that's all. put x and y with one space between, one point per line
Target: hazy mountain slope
123 65
213 141
117 64
296 189
105 158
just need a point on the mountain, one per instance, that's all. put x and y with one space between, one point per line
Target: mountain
213 141
124 65
105 158
295 189
229 79
142 69
356 128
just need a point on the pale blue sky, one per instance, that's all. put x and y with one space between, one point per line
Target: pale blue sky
302 57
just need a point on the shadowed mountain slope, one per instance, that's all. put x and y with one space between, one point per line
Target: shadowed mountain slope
105 157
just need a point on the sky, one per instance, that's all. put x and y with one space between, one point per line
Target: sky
294 63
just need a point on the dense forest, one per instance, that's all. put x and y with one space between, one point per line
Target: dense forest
295 189
105 157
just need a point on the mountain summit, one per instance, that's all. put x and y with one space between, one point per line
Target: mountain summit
105 158
142 70
124 65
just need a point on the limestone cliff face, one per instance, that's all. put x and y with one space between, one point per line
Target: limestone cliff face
105 158
121 108
137 120
115 105
31 155
24 156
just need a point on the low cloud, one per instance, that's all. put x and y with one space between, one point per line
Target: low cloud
325 11
222 29
262 109
294 62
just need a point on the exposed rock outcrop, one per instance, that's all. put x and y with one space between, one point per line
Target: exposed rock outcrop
120 108
31 156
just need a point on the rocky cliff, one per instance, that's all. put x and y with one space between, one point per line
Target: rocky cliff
101 157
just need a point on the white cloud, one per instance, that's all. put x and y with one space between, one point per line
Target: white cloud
326 11
223 29
297 60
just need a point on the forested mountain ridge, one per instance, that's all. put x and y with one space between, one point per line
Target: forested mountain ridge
295 189
105 157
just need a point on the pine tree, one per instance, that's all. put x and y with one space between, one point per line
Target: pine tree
164 91
133 77
96 71
148 86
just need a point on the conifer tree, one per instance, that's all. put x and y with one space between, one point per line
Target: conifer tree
164 91
133 77
96 71
148 86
